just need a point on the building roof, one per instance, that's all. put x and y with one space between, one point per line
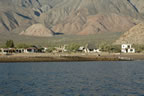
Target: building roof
91 46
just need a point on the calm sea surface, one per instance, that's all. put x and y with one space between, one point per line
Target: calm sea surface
72 79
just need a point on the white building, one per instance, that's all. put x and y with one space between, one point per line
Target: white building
127 48
30 50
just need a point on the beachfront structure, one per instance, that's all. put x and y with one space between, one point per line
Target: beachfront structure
11 50
19 50
60 49
64 48
30 50
127 48
90 48
35 49
7 50
81 49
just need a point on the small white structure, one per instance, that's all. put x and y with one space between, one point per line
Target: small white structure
97 50
30 50
81 48
127 48
4 50
45 49
91 49
64 48
60 49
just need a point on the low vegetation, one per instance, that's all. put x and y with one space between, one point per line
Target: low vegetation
60 40
23 45
107 47
139 48
73 47
50 49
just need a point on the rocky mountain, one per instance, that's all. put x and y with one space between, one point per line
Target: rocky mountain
81 17
138 5
134 36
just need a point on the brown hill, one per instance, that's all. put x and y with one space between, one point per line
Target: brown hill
38 30
134 36
82 24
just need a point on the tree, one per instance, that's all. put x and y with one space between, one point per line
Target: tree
9 44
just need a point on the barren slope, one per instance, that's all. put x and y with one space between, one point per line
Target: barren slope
70 16
38 30
134 36
83 24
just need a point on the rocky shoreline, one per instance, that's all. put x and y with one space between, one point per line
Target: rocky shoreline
49 59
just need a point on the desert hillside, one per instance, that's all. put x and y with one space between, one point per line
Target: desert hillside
84 25
37 30
134 36
79 17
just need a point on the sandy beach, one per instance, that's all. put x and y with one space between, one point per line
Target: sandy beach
65 57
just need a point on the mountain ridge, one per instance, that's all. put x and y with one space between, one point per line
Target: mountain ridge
17 15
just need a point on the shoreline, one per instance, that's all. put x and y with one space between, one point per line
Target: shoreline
46 57
57 59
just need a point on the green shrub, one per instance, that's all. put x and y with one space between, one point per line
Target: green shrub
115 48
106 47
73 47
50 49
139 48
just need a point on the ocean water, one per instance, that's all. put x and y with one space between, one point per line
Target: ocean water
124 78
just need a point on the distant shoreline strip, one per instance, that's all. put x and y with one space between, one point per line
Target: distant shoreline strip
60 59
